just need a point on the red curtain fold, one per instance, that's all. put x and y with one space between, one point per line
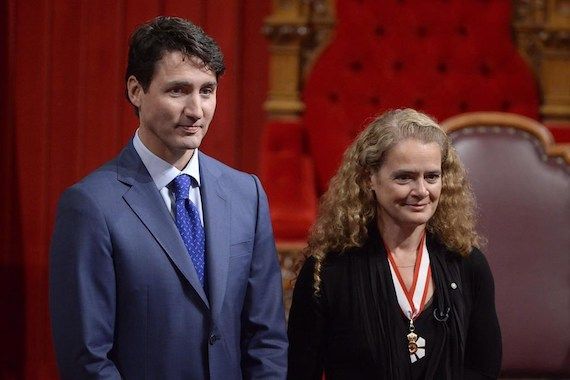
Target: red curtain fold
12 326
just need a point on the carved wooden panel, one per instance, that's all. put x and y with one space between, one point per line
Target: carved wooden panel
542 30
290 259
297 30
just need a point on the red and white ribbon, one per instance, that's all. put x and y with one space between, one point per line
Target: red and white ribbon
412 301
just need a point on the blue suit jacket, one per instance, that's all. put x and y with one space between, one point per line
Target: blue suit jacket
125 299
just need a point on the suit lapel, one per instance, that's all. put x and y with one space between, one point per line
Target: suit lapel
145 200
217 226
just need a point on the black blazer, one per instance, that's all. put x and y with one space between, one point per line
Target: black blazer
326 332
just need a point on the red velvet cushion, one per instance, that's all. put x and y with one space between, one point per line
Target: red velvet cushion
560 131
288 177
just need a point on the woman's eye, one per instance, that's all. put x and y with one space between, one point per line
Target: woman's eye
432 178
403 178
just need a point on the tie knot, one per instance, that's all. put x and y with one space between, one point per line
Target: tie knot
181 186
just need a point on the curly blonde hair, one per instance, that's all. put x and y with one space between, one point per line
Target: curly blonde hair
349 206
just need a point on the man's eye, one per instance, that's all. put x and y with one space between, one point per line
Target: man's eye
207 91
176 91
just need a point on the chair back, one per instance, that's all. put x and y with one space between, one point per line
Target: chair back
522 184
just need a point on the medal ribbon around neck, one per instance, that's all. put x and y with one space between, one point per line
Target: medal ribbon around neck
412 301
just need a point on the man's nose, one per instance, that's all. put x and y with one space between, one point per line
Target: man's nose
193 107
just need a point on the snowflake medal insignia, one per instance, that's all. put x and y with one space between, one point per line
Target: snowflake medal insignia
416 347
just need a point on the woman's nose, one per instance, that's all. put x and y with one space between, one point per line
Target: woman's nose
420 189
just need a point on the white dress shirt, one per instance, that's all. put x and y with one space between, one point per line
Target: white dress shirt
163 173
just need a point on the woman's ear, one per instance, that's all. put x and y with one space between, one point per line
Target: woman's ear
372 179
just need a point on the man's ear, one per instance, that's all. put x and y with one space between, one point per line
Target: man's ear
134 90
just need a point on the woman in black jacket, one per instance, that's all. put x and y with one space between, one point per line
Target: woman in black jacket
395 286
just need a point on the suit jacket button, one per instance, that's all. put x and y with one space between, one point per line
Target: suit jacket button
213 338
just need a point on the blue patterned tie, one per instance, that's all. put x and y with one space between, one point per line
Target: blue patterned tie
188 223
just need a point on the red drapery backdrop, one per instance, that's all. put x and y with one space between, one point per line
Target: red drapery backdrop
63 113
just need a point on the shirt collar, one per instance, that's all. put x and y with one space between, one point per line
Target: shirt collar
162 172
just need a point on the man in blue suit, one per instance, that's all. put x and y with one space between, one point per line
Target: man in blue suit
163 263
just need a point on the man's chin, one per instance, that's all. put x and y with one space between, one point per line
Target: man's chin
190 143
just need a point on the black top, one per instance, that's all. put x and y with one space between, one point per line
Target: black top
328 332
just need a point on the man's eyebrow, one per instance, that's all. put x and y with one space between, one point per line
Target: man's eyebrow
177 83
183 83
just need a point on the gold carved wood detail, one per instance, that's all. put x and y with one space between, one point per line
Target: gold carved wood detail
297 30
542 29
290 260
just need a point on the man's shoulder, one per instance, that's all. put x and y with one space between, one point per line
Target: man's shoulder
225 172
102 174
215 165
243 188
101 182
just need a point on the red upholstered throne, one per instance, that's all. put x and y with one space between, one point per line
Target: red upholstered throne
444 57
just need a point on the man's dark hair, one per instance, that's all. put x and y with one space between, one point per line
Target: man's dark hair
150 41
